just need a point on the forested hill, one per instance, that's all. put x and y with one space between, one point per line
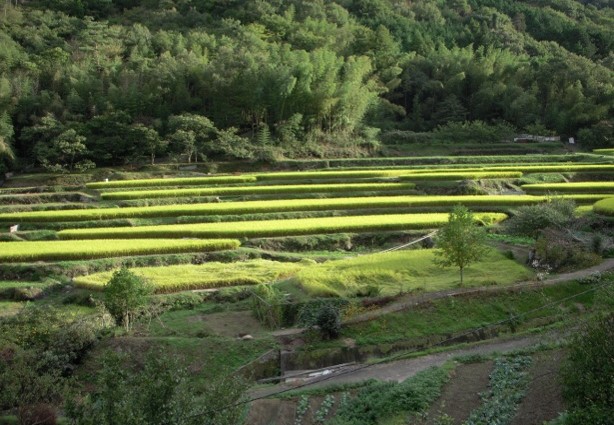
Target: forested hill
115 81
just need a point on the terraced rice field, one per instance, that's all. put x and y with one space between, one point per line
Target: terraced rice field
272 228
81 249
353 196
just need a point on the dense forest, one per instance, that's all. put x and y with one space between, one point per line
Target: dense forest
100 82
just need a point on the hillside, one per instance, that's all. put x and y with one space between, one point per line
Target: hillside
95 82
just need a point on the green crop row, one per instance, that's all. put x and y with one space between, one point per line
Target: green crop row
609 151
271 228
82 250
604 207
278 206
462 175
209 275
528 169
576 187
181 181
249 190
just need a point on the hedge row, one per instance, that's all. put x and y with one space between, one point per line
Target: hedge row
83 250
462 175
180 181
205 276
576 187
277 206
271 228
254 190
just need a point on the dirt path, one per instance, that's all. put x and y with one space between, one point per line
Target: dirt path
400 370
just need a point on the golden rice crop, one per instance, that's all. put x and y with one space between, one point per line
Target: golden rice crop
604 207
179 181
81 249
270 228
255 190
205 276
462 175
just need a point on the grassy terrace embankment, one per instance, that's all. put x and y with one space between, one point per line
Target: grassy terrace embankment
253 229
576 187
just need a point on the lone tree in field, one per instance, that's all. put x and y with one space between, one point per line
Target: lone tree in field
461 241
125 295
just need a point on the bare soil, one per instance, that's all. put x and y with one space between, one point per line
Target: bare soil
233 323
461 395
543 400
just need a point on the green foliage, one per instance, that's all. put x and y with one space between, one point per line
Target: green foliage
561 252
328 320
575 187
125 297
379 401
588 373
530 220
508 383
460 242
160 393
604 207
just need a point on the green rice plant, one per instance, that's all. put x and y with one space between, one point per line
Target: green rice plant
530 169
576 187
404 270
205 276
82 250
254 190
608 151
331 174
180 181
462 175
270 228
604 207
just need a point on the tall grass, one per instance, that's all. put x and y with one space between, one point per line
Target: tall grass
253 229
255 190
82 250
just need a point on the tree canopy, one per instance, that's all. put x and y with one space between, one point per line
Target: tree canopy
298 78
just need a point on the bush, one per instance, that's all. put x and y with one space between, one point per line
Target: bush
37 414
560 251
329 322
588 374
529 220
125 296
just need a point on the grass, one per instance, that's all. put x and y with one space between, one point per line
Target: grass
449 316
576 187
398 271
209 275
9 308
180 181
80 250
254 190
277 205
269 228
604 207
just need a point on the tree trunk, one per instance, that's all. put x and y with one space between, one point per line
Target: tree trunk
153 158
462 269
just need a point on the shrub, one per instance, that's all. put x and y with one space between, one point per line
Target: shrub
329 322
561 251
266 302
37 414
529 220
125 296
